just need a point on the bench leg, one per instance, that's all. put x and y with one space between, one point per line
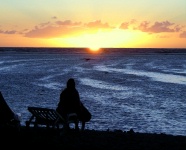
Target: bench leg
82 125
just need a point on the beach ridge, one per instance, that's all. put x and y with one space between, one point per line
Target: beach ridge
91 139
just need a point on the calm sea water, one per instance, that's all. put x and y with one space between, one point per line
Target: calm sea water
142 89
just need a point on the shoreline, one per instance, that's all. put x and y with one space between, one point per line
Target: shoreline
90 139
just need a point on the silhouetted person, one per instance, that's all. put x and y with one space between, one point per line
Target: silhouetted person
70 103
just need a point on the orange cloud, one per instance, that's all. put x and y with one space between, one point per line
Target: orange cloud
64 29
44 24
68 23
54 17
124 25
68 28
158 27
52 32
97 24
183 34
8 32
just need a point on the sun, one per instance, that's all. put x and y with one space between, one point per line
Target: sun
94 49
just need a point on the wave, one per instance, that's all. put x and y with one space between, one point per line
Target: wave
156 76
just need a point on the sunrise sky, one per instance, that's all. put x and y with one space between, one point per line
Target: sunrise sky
93 23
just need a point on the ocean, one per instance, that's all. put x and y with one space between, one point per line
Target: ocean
139 89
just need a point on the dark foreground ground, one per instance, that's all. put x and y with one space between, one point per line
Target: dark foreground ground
89 139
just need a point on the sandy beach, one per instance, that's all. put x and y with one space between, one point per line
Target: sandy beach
89 139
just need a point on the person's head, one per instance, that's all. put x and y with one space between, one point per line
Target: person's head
71 83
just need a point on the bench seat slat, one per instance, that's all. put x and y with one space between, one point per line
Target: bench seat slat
48 117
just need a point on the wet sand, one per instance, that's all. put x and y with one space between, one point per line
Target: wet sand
33 138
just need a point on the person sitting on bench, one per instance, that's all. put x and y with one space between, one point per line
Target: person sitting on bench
70 103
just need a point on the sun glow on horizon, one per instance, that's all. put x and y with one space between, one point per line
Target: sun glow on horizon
101 39
94 49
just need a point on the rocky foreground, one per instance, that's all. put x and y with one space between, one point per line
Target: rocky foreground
89 139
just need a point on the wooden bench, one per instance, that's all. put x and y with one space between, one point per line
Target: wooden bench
49 118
